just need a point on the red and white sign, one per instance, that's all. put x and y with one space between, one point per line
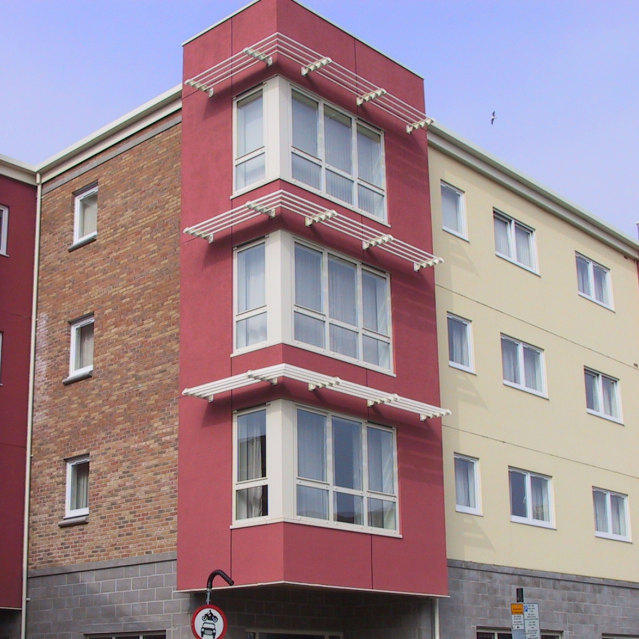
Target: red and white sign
208 622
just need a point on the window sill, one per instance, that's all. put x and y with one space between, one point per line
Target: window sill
2 254
595 301
601 535
78 376
519 264
83 241
468 511
461 367
608 418
67 522
533 522
530 391
320 523
456 234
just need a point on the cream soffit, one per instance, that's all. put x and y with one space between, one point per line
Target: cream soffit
444 140
315 381
17 170
314 214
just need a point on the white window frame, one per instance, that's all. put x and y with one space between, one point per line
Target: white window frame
4 229
610 535
529 518
521 346
79 240
514 224
321 161
469 342
75 344
461 508
592 265
599 389
324 316
72 466
263 150
462 232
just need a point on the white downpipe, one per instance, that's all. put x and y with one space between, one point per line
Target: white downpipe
27 482
436 618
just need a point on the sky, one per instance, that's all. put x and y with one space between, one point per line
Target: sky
562 76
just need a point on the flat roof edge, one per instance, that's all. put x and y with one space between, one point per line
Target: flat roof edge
525 180
219 22
17 170
117 125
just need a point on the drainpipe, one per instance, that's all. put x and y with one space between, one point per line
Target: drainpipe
27 483
436 618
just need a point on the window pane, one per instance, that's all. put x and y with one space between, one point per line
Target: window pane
252 502
583 276
348 509
382 514
89 215
309 330
618 515
451 209
338 141
465 482
601 284
518 506
308 278
343 341
80 486
376 351
250 130
371 201
251 330
510 361
251 289
306 171
251 446
540 499
381 456
347 453
312 502
458 346
502 236
592 391
311 445
532 368
340 187
250 171
84 347
305 121
375 299
342 291
523 242
369 155
609 388
601 511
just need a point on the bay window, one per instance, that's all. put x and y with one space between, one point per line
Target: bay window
250 312
251 496
250 151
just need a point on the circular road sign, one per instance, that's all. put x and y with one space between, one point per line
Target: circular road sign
208 622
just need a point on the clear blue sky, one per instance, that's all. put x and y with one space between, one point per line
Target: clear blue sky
563 76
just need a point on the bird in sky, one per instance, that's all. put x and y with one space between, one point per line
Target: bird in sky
492 119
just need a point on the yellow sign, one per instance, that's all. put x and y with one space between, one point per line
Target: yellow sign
517 609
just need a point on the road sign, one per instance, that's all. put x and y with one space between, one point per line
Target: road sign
208 622
525 621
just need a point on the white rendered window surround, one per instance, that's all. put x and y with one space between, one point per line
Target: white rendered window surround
611 514
530 498
453 210
86 216
77 487
81 351
4 229
593 281
523 366
467 492
602 395
460 343
515 241
300 464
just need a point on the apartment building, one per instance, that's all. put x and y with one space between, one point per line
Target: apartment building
539 364
243 322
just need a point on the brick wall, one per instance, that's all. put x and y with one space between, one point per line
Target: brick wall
125 415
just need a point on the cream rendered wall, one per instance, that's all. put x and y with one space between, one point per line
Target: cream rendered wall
505 427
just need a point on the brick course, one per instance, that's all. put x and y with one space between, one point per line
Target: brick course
125 415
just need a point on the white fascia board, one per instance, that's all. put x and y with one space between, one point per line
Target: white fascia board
17 170
136 120
448 142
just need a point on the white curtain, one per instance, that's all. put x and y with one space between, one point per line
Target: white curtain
592 391
618 515
540 499
89 216
85 350
305 124
347 453
338 141
369 156
375 300
250 128
251 446
502 236
523 242
250 275
252 502
510 361
532 368
601 284
609 387
312 502
458 347
311 445
450 209
342 291
583 276
465 483
381 458
601 511
80 486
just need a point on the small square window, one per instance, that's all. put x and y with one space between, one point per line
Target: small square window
514 241
467 485
453 213
593 281
522 365
611 514
77 499
460 343
602 395
530 498
4 229
81 360
86 216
